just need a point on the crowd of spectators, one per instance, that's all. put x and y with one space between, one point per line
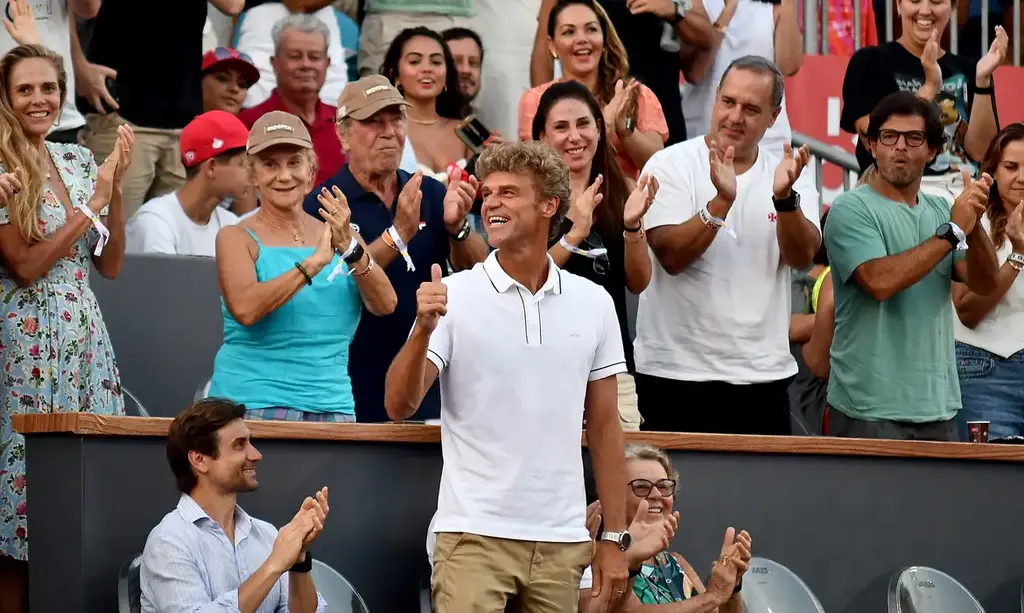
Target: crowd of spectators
325 154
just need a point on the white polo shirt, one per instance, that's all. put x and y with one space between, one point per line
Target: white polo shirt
725 317
514 369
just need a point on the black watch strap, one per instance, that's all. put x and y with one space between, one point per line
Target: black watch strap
739 586
463 232
788 204
304 566
356 255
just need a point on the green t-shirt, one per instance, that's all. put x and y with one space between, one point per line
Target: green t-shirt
894 359
455 8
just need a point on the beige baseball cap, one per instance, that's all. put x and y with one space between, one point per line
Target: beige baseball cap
278 128
361 99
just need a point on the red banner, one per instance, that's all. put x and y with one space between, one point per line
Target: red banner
814 101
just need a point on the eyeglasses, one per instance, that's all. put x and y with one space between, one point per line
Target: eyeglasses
601 262
913 138
642 487
223 53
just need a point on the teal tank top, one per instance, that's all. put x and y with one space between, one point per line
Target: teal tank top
297 356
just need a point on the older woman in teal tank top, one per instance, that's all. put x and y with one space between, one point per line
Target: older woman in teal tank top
293 288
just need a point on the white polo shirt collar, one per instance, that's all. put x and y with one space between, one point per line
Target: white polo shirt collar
502 282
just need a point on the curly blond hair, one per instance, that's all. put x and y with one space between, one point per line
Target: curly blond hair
542 163
17 154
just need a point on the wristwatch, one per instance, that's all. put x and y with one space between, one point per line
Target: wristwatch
788 204
682 7
622 539
304 566
952 233
463 232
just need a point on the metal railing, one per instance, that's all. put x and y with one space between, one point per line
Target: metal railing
824 152
816 19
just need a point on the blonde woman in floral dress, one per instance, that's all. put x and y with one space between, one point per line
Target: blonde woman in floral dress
58 212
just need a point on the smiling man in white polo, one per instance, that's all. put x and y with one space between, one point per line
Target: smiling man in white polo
524 352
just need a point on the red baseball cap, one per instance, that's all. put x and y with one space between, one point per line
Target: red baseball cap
222 58
211 134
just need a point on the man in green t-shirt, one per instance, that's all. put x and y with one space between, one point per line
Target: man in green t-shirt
894 254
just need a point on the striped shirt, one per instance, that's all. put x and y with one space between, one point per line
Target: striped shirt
190 566
455 8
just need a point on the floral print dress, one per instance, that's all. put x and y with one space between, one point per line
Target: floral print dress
55 352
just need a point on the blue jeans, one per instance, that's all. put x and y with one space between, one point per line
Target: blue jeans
992 390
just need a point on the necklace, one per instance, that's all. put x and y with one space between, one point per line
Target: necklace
297 233
421 122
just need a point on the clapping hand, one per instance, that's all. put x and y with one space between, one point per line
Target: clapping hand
458 200
727 570
970 205
581 211
930 61
723 173
318 505
289 546
22 24
664 9
335 211
650 538
789 170
1015 228
431 300
9 186
994 58
124 146
640 200
614 112
407 211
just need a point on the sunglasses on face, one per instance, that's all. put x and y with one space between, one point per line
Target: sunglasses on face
642 487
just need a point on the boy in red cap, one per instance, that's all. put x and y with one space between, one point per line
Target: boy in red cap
186 222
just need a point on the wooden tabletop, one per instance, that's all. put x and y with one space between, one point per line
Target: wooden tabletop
88 424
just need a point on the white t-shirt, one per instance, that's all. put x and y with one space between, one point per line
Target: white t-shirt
1002 330
751 32
514 369
161 226
725 317
54 33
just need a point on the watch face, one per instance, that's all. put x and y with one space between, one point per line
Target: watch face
625 541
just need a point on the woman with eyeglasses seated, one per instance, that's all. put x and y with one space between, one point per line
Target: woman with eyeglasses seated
659 576
601 238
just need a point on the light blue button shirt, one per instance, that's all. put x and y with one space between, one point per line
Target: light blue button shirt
190 566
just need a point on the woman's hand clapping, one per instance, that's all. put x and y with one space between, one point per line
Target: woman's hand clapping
336 213
110 174
640 201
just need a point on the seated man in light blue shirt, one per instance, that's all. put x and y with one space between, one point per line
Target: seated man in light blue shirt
208 555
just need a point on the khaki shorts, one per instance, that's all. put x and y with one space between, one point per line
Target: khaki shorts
629 413
481 574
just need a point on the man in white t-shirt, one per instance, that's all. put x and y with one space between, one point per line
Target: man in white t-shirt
186 222
524 352
730 219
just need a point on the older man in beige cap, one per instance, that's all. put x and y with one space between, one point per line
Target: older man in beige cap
410 222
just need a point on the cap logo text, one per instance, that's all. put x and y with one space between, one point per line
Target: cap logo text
278 126
376 88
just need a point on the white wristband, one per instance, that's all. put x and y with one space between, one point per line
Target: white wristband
711 221
593 254
341 268
1016 261
98 224
402 248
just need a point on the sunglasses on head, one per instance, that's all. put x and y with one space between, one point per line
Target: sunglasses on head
223 53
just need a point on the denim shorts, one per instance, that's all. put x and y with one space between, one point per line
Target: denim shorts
992 390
